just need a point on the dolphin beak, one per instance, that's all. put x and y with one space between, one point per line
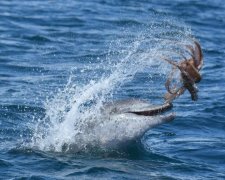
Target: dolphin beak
141 110
153 111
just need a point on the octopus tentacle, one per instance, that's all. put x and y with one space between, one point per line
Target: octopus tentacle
189 69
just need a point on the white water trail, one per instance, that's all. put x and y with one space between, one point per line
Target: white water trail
71 113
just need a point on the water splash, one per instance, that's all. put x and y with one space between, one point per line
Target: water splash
74 110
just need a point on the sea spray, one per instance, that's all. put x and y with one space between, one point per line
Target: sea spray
75 110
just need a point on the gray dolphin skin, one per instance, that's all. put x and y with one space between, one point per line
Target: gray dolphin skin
128 120
136 106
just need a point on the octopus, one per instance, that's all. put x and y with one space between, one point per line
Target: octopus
189 73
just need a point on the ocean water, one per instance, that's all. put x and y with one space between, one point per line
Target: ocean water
61 61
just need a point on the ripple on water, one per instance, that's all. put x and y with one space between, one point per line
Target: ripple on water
4 163
41 41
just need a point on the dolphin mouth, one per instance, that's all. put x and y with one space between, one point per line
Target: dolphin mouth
153 111
139 108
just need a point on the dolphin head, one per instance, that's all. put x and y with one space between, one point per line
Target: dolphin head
128 120
120 124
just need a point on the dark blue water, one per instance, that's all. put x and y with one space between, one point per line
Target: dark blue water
44 43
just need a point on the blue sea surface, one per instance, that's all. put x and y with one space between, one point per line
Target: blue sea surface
52 51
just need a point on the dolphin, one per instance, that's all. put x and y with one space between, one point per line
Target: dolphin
119 125
127 120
